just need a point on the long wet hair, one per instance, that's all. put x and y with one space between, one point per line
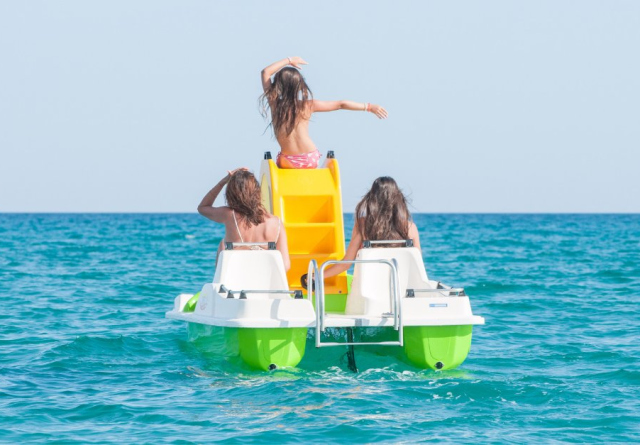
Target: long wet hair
243 196
382 214
287 99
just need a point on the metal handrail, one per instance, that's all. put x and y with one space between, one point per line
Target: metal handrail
297 294
355 343
231 245
407 242
458 290
394 294
312 276
257 291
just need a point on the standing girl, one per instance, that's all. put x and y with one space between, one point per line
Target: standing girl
291 104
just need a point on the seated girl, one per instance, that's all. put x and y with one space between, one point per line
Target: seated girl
382 214
291 104
244 217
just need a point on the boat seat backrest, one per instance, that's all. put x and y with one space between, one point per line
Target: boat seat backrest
371 286
251 270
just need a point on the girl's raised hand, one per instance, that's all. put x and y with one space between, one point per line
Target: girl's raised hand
230 173
378 111
297 62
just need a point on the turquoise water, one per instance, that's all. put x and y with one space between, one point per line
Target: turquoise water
87 356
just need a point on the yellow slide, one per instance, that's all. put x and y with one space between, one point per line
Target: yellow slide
309 203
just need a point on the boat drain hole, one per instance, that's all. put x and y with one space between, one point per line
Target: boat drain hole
272 367
439 365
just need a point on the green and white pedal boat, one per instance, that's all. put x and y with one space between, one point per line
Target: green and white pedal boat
254 310
265 323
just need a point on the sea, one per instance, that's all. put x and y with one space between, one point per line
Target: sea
87 355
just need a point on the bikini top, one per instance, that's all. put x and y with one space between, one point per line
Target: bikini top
242 239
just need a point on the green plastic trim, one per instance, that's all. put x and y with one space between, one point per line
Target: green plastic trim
191 304
337 303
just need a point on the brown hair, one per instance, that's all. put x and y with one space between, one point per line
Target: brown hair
382 214
287 99
244 197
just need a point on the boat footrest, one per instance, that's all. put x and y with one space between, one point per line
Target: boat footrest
368 343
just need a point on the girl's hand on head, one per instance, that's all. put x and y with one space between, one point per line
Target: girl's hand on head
230 173
297 62
378 111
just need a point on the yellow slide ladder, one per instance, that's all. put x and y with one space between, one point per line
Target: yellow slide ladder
309 203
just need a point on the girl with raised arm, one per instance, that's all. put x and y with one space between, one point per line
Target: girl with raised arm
291 104
244 217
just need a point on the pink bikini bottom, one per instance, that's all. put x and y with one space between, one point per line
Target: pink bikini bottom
305 160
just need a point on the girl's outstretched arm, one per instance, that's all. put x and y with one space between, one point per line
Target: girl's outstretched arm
354 245
277 66
333 105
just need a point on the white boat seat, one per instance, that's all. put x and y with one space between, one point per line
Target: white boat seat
241 270
371 286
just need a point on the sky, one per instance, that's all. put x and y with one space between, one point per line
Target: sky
494 106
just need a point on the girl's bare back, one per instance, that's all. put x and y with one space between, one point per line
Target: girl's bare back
291 104
298 141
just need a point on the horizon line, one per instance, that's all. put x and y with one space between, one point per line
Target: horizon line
345 213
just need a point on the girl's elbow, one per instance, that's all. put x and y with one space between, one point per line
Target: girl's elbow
286 260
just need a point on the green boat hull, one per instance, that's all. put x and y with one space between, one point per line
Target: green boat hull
425 347
260 348
271 348
437 347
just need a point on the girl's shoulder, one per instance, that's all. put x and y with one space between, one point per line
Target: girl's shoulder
271 217
226 212
272 227
271 220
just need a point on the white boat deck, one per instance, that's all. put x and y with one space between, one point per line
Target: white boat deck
331 320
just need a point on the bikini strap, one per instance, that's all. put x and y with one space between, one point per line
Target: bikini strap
237 228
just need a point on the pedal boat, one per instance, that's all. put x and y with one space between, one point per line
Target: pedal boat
254 310
267 324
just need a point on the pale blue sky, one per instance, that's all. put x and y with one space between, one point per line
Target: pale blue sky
495 106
